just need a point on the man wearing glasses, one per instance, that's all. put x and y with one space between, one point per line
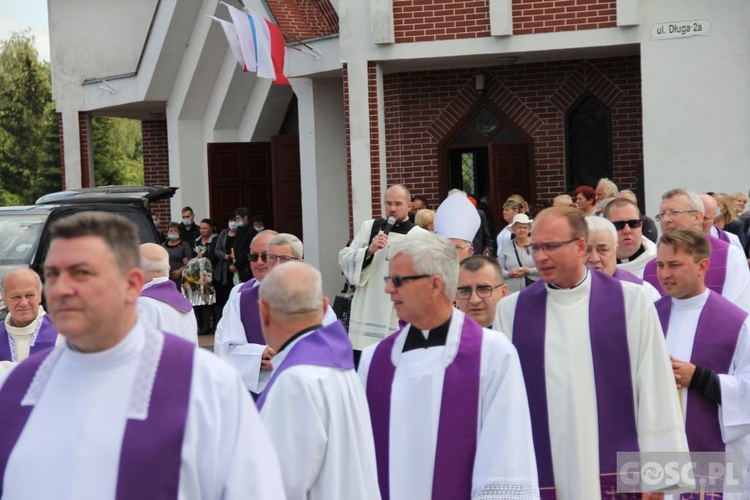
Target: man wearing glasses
633 250
446 396
480 288
239 337
594 362
727 273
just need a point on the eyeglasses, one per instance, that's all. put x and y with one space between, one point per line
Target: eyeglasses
673 214
632 224
550 246
400 280
272 258
483 291
255 256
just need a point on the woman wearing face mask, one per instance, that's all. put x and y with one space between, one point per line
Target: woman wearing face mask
224 270
179 252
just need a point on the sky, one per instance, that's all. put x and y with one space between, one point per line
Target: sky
19 15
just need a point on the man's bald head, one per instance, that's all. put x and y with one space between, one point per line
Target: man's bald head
154 261
291 300
710 208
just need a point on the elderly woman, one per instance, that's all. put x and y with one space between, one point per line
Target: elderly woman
425 219
515 258
511 208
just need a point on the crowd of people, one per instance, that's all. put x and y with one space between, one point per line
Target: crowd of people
507 367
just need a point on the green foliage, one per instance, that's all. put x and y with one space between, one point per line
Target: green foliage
29 146
118 151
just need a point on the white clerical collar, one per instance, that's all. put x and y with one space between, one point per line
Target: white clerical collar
125 350
585 275
155 281
696 302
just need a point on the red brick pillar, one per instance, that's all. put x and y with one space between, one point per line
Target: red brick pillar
84 129
156 164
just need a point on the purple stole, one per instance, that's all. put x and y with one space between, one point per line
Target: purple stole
167 292
459 409
45 339
250 315
252 282
623 275
328 346
717 270
151 452
715 341
722 235
611 358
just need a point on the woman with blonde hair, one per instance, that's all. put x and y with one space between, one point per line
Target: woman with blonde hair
425 219
511 208
727 219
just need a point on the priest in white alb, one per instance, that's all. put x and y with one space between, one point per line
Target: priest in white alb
121 410
709 341
446 396
314 407
595 364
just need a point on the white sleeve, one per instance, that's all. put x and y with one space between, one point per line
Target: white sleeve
734 411
352 258
653 293
233 347
226 451
295 419
505 463
737 282
330 317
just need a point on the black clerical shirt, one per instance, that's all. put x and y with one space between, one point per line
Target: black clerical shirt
437 337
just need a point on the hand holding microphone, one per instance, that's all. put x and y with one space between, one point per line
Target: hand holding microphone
381 239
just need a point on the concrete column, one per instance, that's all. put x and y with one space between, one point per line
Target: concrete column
322 145
359 142
72 148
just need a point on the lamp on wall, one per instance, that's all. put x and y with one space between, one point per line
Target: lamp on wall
481 83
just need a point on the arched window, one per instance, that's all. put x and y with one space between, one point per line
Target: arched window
588 142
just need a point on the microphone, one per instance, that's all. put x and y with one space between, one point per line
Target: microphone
389 225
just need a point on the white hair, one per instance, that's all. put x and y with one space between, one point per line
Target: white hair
20 270
431 254
610 188
694 200
601 225
159 267
291 240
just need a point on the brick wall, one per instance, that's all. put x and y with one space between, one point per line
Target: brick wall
544 16
372 102
83 130
156 164
420 106
61 139
429 20
347 138
305 19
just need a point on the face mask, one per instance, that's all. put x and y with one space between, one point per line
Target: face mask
239 223
156 222
187 222
259 228
232 225
173 236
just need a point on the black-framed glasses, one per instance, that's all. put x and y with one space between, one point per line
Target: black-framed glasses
483 291
632 224
673 214
272 258
400 280
550 246
255 256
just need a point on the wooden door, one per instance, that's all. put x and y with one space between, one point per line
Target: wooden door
287 191
240 175
510 173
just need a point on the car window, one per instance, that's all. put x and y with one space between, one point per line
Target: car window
20 237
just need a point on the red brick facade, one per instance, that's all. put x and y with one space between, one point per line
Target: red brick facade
305 19
372 104
544 16
430 20
423 107
83 129
156 164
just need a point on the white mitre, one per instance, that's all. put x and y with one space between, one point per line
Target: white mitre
457 218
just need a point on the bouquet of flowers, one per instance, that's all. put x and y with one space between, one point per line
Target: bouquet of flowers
197 282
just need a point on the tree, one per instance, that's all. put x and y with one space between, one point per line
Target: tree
29 145
118 151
